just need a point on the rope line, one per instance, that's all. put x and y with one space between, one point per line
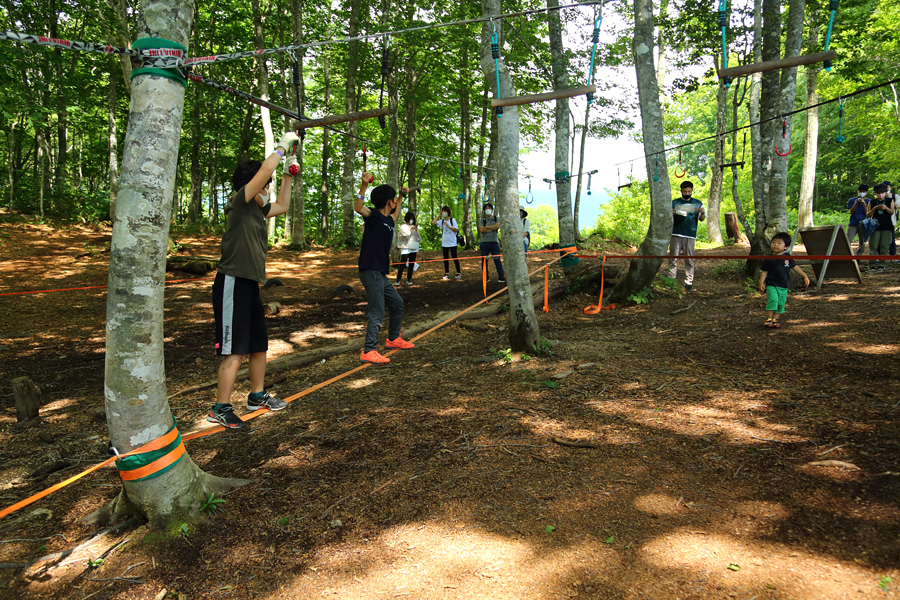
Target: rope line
776 118
198 434
93 287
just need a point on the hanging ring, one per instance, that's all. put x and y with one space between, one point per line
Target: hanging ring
683 173
779 153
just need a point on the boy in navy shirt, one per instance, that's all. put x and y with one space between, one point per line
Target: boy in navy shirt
858 206
776 278
374 265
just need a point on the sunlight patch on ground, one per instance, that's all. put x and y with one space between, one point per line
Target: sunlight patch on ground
439 560
279 348
761 565
866 348
657 504
360 383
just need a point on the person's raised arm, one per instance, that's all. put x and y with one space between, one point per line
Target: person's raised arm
365 211
283 203
400 196
269 165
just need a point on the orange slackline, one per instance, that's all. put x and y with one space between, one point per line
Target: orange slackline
546 288
747 256
594 309
198 434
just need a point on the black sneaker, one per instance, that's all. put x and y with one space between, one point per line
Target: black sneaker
688 287
225 417
266 401
501 281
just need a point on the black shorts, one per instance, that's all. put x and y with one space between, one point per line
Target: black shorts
240 320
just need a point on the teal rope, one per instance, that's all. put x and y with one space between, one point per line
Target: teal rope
462 185
595 38
495 53
833 5
723 23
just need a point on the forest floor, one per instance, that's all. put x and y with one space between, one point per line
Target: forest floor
721 459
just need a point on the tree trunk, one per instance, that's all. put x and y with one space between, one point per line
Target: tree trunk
42 169
584 131
811 151
524 335
10 170
713 223
326 149
465 143
113 139
662 46
135 389
777 94
213 183
193 214
259 42
298 190
560 67
480 180
642 271
393 85
756 138
349 178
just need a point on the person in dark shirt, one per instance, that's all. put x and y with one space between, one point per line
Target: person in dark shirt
858 206
881 209
374 265
776 278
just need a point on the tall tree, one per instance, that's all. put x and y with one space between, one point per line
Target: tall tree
137 409
351 104
524 334
560 67
259 42
811 151
642 271
713 225
297 217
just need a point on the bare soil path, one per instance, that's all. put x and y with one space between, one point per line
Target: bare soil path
648 455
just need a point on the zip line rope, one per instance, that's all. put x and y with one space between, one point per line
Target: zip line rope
776 118
216 429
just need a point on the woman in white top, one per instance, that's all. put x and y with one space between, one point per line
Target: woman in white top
408 241
449 229
526 227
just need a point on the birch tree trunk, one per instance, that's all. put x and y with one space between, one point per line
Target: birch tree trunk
559 67
259 43
113 139
777 94
524 335
135 388
10 164
465 143
479 178
641 272
326 151
297 238
193 213
811 150
349 178
713 223
577 207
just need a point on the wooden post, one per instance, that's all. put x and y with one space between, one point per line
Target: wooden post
336 119
781 63
28 398
567 93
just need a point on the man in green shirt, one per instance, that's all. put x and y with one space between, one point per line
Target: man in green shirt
686 213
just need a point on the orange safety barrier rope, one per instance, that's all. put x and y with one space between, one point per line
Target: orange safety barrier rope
93 287
198 434
546 288
748 256
594 309
484 276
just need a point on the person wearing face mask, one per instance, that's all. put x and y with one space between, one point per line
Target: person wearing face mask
881 210
449 229
858 206
240 320
687 211
490 242
891 197
374 266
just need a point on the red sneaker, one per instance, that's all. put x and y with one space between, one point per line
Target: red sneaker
399 344
373 357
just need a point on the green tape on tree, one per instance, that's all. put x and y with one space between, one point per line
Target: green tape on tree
152 43
569 261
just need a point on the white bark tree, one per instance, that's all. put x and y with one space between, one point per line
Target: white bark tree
524 334
714 204
135 388
641 272
297 233
560 68
811 151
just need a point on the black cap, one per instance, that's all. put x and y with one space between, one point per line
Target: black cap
886 182
880 188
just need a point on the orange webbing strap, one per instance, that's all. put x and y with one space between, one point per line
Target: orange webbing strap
156 466
594 309
253 415
546 288
93 287
484 276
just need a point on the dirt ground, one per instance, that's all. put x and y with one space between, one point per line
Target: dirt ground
720 459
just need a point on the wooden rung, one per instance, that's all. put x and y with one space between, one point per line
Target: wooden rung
568 93
733 164
781 63
336 119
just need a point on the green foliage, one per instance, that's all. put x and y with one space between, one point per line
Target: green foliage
544 225
884 582
643 296
93 563
505 355
212 504
544 347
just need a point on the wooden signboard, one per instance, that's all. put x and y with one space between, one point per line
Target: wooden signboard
829 241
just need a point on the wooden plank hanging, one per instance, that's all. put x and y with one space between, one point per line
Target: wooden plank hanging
336 119
781 63
567 93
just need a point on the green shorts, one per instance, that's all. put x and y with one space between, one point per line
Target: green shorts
775 298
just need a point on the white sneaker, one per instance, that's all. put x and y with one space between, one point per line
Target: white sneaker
445 278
